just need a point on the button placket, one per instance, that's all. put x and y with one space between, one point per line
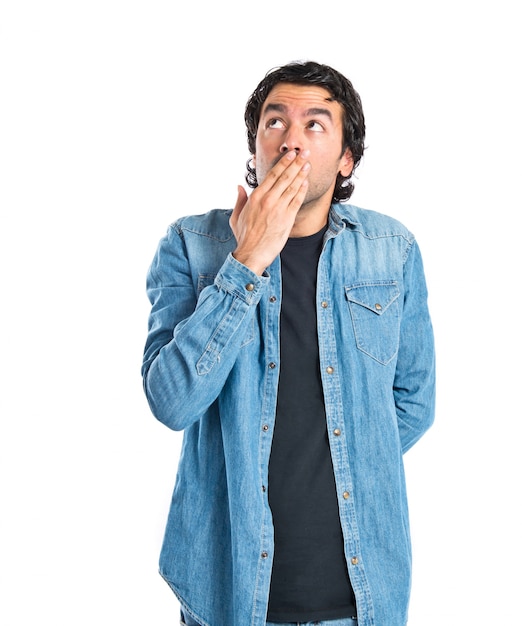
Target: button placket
335 420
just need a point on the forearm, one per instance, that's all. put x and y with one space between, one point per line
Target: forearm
192 345
414 385
415 405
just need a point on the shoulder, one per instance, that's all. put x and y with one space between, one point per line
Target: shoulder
213 224
371 224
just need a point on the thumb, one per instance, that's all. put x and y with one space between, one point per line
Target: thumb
242 198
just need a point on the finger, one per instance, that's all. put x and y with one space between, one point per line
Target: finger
286 170
242 199
296 192
282 164
290 188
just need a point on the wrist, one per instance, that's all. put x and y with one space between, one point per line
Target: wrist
253 264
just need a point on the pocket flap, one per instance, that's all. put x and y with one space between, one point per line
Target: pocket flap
376 297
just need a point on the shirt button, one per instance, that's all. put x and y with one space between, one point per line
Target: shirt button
324 304
271 365
346 495
249 286
265 427
378 307
273 298
264 555
355 560
329 370
337 432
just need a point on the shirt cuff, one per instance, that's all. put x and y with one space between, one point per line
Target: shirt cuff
242 282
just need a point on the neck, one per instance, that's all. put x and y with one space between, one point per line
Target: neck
310 220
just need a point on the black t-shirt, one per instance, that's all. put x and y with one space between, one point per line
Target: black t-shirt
309 577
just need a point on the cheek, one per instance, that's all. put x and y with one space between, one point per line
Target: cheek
267 143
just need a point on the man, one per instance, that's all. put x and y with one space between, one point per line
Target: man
290 339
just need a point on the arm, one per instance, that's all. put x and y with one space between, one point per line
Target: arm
193 341
414 385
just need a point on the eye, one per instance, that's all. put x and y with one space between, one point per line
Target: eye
315 126
274 123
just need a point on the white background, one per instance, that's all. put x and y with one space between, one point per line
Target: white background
119 116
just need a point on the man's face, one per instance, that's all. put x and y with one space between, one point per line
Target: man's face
299 117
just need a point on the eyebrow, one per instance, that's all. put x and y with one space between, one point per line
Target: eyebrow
281 108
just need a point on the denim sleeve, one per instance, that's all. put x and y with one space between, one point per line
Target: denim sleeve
193 338
414 384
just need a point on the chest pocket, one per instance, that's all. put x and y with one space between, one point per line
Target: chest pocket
204 280
374 308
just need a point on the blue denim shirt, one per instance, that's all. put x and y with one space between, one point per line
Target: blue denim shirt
211 369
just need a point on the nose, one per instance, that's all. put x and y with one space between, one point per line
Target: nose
291 141
285 148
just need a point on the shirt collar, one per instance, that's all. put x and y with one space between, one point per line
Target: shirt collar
340 217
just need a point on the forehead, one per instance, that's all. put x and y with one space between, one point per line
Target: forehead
298 99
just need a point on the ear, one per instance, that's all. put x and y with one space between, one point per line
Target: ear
346 164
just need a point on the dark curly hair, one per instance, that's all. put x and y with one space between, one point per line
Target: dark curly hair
341 90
